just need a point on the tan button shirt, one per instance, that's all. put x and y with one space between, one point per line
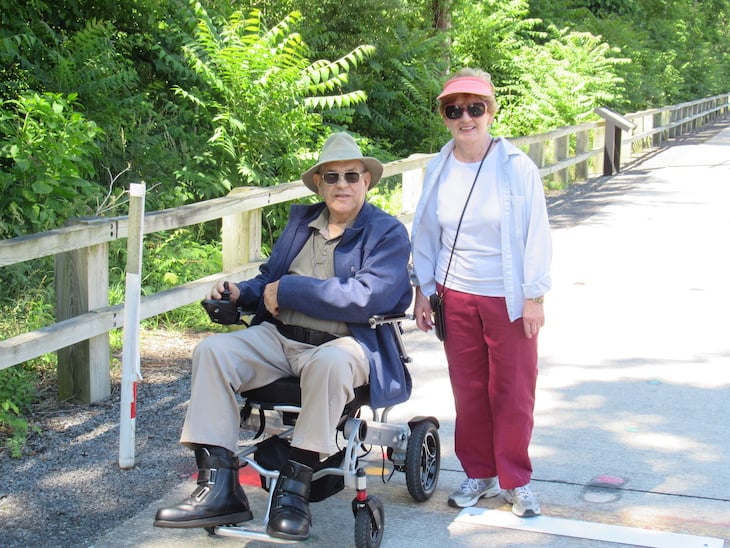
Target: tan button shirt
317 260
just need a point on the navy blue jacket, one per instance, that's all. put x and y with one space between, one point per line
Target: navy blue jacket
371 277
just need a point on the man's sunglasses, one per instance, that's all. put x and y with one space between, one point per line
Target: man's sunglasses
333 177
475 110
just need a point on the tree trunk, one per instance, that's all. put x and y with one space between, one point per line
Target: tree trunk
441 17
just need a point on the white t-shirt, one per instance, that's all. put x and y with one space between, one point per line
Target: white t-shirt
476 266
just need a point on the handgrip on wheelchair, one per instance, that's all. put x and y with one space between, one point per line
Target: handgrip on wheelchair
223 310
380 319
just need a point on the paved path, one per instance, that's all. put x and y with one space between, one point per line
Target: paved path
632 426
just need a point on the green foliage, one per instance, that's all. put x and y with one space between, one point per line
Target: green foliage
678 49
613 7
121 78
403 76
544 78
403 81
323 77
561 83
47 149
262 94
387 195
92 64
25 42
493 36
22 309
17 392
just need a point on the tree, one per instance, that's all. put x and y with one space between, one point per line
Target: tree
266 100
50 147
561 83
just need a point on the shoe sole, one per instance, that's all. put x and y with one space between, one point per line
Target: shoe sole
491 493
214 521
285 536
528 513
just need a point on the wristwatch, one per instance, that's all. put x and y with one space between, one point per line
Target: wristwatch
538 300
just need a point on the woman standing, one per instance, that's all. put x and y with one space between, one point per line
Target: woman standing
481 242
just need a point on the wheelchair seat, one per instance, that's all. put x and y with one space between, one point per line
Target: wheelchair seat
287 392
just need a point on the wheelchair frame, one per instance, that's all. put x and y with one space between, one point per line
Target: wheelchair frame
413 448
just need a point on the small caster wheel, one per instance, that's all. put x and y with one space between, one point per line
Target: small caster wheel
210 531
423 461
369 524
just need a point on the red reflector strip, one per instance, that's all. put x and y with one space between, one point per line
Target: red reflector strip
133 405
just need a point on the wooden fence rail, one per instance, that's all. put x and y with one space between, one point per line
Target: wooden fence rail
84 318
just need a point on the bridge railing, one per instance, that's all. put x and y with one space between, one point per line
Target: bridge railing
80 335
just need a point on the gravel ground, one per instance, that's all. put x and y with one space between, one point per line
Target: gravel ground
69 485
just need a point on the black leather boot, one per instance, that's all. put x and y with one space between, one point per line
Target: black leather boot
219 498
289 517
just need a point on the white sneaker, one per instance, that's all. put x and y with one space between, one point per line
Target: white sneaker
524 502
472 489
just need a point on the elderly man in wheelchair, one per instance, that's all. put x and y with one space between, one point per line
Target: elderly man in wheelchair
336 264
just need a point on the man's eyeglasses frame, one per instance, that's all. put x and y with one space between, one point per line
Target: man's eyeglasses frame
333 177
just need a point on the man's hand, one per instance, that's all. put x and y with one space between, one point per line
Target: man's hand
533 317
271 302
216 292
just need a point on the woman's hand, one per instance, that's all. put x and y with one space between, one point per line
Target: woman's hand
533 317
422 311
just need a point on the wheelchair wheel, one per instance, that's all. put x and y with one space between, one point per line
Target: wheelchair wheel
423 461
368 534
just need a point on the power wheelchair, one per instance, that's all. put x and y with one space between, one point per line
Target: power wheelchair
269 413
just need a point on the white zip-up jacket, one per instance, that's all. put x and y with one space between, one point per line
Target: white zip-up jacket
525 230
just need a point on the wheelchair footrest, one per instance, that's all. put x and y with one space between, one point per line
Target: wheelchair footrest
273 453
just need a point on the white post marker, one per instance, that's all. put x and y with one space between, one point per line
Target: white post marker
131 371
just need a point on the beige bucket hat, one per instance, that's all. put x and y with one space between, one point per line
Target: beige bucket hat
342 147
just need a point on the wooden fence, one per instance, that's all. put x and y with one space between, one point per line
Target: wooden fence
84 318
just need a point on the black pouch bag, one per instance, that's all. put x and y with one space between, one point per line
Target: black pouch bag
437 306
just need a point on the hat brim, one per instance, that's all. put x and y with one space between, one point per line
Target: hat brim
467 85
374 167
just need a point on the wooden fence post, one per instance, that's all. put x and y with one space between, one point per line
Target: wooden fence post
411 186
582 142
673 129
615 124
241 235
561 153
82 285
657 138
537 153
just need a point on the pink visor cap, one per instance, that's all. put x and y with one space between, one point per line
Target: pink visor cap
468 85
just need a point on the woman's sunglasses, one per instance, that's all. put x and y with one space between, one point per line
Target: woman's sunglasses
333 177
475 110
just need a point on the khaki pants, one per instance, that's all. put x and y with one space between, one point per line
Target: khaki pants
228 363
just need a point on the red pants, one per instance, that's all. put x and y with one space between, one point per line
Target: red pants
493 371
